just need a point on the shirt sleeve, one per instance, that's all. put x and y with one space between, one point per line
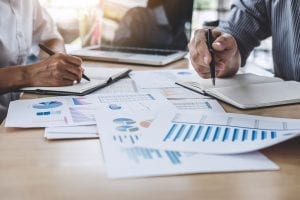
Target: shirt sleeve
44 28
249 23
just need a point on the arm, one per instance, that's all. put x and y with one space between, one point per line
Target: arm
247 24
57 70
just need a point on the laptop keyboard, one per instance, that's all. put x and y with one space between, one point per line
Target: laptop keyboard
136 50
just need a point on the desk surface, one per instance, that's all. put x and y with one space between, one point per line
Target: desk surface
34 168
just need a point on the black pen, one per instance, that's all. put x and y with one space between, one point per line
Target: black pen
212 66
50 52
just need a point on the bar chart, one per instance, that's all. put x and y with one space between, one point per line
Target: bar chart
218 133
138 155
211 133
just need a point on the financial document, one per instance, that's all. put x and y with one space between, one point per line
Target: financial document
218 133
120 132
79 110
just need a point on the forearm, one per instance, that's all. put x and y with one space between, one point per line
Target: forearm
12 78
248 23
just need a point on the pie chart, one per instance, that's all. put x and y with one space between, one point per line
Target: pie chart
127 128
124 121
47 105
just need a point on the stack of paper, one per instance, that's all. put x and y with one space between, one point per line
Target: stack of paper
149 126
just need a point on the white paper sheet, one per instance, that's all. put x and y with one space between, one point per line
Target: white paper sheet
160 78
75 111
120 131
218 133
73 132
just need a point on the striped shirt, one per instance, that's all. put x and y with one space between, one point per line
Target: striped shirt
251 21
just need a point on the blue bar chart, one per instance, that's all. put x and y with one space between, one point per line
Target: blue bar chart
211 133
126 139
138 155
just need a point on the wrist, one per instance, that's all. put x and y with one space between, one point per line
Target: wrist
27 75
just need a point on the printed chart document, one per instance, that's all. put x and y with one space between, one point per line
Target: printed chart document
100 77
120 131
79 110
215 133
248 91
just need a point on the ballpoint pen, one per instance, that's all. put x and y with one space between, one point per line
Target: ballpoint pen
50 52
209 41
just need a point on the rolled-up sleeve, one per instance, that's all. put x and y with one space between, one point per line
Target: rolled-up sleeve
249 23
44 27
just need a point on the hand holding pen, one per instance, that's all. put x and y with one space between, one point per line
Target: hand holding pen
224 48
68 60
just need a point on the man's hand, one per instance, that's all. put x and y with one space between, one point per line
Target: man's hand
227 55
57 70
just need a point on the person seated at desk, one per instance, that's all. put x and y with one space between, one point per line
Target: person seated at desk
24 24
249 22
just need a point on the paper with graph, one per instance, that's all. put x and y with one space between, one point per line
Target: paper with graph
78 110
120 131
218 133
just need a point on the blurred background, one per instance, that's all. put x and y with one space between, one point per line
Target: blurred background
90 22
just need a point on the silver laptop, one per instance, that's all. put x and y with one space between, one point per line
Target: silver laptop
154 35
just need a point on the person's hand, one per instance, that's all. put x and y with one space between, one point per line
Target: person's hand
227 55
57 70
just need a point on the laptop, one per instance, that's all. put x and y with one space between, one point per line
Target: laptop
156 35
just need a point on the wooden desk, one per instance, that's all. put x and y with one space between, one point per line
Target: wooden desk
34 168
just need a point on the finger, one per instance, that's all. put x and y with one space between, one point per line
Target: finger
203 71
200 55
200 47
77 71
70 77
69 59
69 68
224 42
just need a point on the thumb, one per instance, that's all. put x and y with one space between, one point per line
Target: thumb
224 42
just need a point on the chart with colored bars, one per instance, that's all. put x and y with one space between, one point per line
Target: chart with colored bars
218 133
125 98
128 130
203 132
138 155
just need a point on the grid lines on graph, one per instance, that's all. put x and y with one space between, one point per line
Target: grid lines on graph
181 132
192 105
125 98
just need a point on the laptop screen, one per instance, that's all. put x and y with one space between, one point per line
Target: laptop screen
155 24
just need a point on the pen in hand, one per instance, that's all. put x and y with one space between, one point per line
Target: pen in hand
50 52
209 41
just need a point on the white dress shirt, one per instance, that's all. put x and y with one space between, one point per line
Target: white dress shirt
23 24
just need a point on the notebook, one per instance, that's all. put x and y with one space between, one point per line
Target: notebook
247 91
100 77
